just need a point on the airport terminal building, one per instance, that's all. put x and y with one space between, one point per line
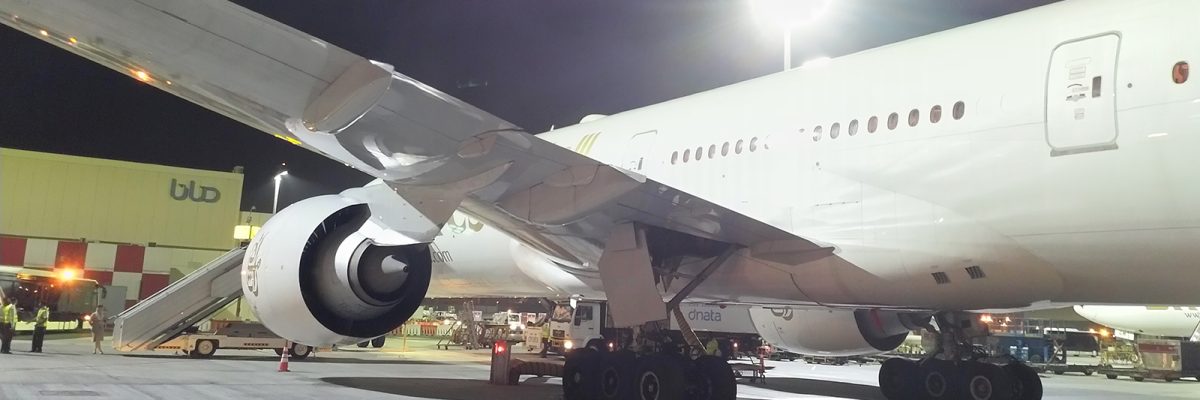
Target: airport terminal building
130 226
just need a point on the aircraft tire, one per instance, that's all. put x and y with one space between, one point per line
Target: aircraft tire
659 377
897 379
581 380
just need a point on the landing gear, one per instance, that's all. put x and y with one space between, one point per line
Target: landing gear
657 367
1026 382
956 370
710 378
581 374
659 377
591 375
935 379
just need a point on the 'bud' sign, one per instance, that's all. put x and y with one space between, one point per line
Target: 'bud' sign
205 194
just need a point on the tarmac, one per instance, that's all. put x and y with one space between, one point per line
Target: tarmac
68 370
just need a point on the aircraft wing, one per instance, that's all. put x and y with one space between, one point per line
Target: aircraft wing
425 144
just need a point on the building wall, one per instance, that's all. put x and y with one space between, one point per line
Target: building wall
121 223
66 197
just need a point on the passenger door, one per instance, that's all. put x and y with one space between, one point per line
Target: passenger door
1081 93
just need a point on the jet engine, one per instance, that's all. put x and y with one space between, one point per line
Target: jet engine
833 332
324 272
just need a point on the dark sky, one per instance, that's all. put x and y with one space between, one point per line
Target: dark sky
534 63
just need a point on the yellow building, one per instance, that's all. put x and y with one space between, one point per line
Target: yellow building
131 225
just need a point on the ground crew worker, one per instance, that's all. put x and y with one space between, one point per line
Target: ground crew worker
39 328
711 347
8 323
545 337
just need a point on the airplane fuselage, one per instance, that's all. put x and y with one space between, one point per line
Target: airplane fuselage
1060 167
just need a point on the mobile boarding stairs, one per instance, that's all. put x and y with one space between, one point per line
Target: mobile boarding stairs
181 305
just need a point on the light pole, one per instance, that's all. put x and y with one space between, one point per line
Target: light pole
278 181
789 15
787 47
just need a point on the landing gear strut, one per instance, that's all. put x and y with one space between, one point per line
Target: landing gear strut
956 370
660 370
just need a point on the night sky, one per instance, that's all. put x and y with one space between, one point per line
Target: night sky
533 63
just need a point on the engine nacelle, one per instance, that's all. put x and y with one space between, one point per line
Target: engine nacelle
317 274
832 332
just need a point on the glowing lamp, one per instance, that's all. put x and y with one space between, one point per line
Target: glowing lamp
141 75
789 13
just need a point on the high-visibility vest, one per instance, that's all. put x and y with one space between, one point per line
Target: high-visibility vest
9 314
43 315
711 347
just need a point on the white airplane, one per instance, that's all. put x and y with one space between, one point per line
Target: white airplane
1182 322
1040 159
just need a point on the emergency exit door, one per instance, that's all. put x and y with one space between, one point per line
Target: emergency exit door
1081 88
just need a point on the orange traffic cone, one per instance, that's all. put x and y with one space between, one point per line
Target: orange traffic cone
283 359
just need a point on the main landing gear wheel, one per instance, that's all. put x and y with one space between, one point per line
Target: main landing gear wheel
988 382
659 377
1027 385
710 378
581 375
898 379
616 375
938 380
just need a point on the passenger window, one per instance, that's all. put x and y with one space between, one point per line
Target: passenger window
835 130
893 120
817 133
737 148
852 129
872 124
935 114
753 144
959 109
699 153
725 149
914 117
712 150
685 154
674 157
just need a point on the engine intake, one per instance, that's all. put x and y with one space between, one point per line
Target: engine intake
312 274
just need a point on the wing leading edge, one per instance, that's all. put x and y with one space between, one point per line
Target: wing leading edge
433 149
